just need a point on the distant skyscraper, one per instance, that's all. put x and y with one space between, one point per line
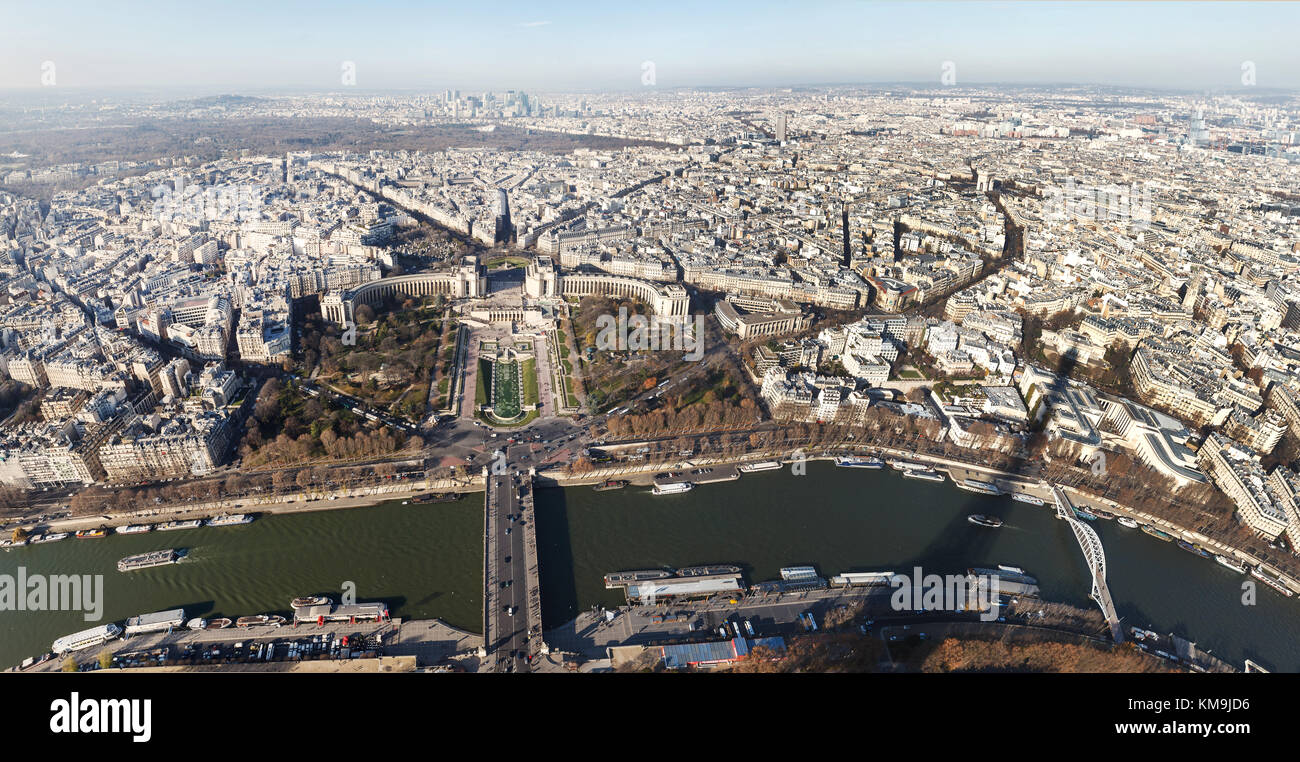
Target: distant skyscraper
1196 132
503 230
780 127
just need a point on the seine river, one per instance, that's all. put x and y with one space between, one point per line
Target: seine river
426 561
843 519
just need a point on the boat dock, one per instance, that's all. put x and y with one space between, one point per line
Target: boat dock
650 592
357 612
1181 650
793 579
615 580
701 475
724 474
649 585
430 641
862 579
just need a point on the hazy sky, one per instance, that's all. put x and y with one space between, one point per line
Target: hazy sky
245 46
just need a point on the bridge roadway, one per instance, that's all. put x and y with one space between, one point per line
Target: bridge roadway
512 604
1095 555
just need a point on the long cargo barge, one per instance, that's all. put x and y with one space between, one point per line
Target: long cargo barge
230 520
172 526
619 579
1156 533
701 571
846 462
431 498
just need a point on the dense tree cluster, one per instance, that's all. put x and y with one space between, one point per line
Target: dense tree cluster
99 499
708 414
142 139
988 655
400 348
288 427
19 399
826 652
612 375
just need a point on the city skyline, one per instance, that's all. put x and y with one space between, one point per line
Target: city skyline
854 337
586 47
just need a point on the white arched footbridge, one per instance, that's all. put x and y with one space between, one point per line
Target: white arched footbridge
1095 555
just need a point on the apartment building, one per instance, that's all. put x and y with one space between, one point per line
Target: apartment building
1236 471
751 317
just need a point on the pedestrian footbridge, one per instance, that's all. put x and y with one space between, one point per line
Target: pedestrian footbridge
1095 555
